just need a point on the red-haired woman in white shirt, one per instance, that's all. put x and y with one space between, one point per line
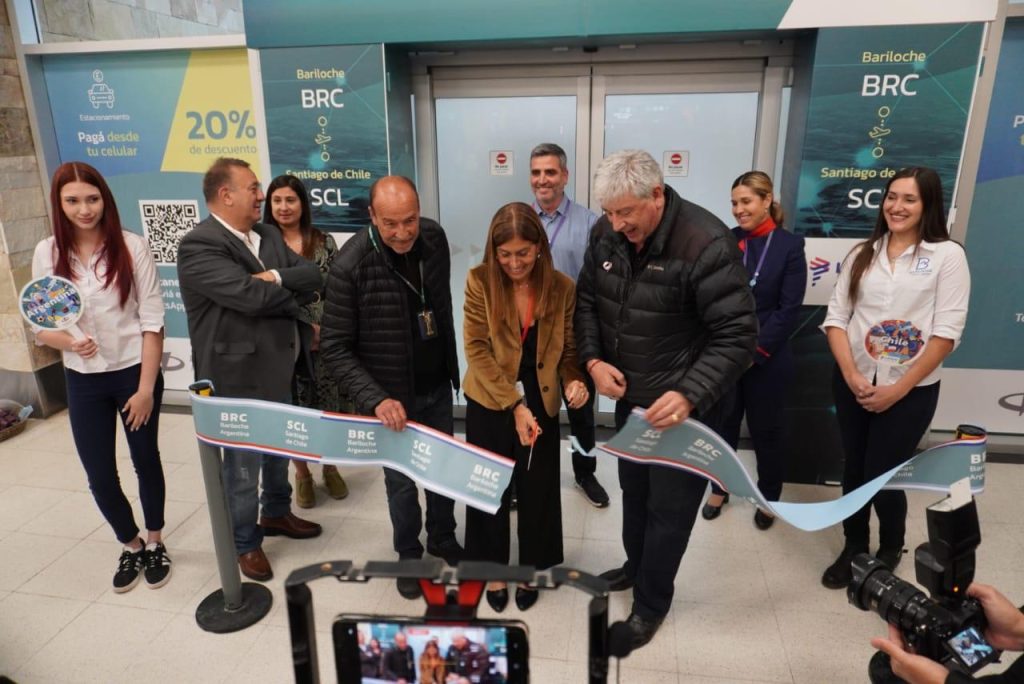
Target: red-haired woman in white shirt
114 372
897 311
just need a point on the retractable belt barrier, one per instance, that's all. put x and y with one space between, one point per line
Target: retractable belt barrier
437 461
478 477
694 447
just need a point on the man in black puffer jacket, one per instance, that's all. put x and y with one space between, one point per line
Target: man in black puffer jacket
388 339
664 321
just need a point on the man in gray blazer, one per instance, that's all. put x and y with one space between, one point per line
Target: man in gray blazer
242 288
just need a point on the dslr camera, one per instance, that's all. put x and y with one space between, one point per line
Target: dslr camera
946 626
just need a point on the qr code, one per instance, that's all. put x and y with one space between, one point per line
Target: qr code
165 223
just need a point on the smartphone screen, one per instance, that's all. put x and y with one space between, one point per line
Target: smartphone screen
372 649
971 650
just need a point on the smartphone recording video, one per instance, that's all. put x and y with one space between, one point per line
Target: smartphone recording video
372 649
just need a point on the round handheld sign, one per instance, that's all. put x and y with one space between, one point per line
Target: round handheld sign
53 303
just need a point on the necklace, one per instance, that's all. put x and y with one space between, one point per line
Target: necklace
521 286
899 252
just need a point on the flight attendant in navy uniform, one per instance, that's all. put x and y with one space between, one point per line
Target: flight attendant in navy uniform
777 265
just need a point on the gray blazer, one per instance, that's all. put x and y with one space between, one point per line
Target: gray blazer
243 329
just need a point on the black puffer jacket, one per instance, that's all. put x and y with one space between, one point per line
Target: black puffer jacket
366 338
683 321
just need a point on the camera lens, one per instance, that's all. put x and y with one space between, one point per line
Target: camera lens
875 588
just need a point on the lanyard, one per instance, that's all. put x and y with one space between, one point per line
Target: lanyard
760 260
558 226
529 321
422 292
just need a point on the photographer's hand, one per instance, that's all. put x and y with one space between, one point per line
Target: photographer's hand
907 665
1005 622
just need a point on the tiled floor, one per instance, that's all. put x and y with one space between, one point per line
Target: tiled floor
748 606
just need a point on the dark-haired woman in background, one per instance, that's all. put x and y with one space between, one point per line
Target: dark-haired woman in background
287 208
114 372
518 331
898 309
777 265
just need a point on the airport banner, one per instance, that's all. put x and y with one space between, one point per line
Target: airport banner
985 375
152 123
272 23
881 99
327 124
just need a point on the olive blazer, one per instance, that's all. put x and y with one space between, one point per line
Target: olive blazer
493 355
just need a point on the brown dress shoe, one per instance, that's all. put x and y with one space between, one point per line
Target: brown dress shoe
290 526
255 566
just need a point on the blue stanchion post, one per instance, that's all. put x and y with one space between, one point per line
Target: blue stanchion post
236 605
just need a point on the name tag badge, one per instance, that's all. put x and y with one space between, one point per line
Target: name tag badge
428 324
922 266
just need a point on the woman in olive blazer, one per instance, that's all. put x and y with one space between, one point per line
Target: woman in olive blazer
520 349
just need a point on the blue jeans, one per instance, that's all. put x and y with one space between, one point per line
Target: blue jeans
433 410
94 407
241 478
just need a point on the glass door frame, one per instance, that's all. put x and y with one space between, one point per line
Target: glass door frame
764 69
614 80
477 82
576 71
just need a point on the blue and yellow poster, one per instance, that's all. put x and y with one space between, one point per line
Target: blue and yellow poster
152 123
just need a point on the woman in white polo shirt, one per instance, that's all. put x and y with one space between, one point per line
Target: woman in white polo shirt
897 311
114 372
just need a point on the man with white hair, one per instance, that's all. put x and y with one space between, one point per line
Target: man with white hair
665 322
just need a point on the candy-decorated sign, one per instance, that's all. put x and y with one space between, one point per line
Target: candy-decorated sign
53 303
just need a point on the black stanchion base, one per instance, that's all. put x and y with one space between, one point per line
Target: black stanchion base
212 615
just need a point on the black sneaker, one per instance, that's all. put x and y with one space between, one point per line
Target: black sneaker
128 570
592 490
157 566
840 574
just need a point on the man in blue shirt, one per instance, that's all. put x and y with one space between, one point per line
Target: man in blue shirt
568 227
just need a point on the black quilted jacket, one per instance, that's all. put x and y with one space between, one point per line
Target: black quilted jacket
366 338
684 320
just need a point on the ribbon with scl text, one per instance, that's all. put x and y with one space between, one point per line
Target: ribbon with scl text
437 461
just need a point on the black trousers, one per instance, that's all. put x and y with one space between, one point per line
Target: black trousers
539 511
872 444
760 395
659 507
582 427
433 409
94 408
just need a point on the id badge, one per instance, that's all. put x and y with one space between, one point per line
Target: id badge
428 324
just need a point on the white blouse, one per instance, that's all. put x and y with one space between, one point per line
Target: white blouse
116 331
899 311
